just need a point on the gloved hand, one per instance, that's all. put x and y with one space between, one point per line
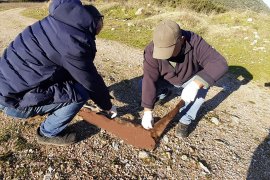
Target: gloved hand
190 91
147 120
113 112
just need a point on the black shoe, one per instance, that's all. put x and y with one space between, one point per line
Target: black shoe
182 130
63 139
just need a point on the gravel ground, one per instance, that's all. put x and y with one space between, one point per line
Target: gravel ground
230 140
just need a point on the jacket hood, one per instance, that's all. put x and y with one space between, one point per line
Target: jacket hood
73 13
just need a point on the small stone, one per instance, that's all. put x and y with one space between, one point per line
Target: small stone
165 139
130 24
254 42
50 169
112 29
235 120
127 165
143 155
139 11
30 151
215 120
249 20
204 168
168 154
115 146
192 149
184 157
47 177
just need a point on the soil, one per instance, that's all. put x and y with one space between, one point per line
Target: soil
230 139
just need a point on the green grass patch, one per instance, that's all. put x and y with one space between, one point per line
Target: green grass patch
4 137
122 25
11 5
244 43
230 33
37 13
135 36
205 6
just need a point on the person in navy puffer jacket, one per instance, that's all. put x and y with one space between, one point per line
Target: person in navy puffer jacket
49 69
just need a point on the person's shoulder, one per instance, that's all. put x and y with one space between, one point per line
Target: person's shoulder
148 52
149 47
190 35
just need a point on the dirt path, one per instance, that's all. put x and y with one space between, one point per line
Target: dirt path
235 145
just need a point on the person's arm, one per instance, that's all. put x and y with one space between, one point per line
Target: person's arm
151 75
84 72
213 63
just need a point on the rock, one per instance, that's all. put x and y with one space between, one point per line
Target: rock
115 146
168 155
139 11
254 42
143 155
130 24
256 35
47 177
165 139
235 119
191 149
204 168
184 157
215 120
249 20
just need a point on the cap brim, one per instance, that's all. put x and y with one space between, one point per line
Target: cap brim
163 53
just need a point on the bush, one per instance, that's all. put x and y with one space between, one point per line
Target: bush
206 6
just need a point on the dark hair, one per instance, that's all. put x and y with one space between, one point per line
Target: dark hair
93 11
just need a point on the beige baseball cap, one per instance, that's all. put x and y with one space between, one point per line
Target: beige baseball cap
165 37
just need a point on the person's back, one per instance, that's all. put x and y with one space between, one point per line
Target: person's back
49 68
43 52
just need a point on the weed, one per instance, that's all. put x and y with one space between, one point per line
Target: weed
37 13
4 137
21 144
6 156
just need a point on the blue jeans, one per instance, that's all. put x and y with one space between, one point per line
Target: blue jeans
189 112
59 115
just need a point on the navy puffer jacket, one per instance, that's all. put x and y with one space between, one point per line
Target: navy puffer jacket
46 62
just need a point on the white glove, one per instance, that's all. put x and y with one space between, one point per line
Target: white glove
113 111
147 120
190 91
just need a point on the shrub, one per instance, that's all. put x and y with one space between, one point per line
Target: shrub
206 6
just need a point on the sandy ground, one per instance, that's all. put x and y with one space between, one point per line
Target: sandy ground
230 141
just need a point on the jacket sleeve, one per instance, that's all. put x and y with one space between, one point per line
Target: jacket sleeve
84 72
150 77
214 64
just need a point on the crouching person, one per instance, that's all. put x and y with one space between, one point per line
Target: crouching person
49 69
182 59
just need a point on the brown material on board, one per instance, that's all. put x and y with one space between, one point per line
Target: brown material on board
160 126
131 133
